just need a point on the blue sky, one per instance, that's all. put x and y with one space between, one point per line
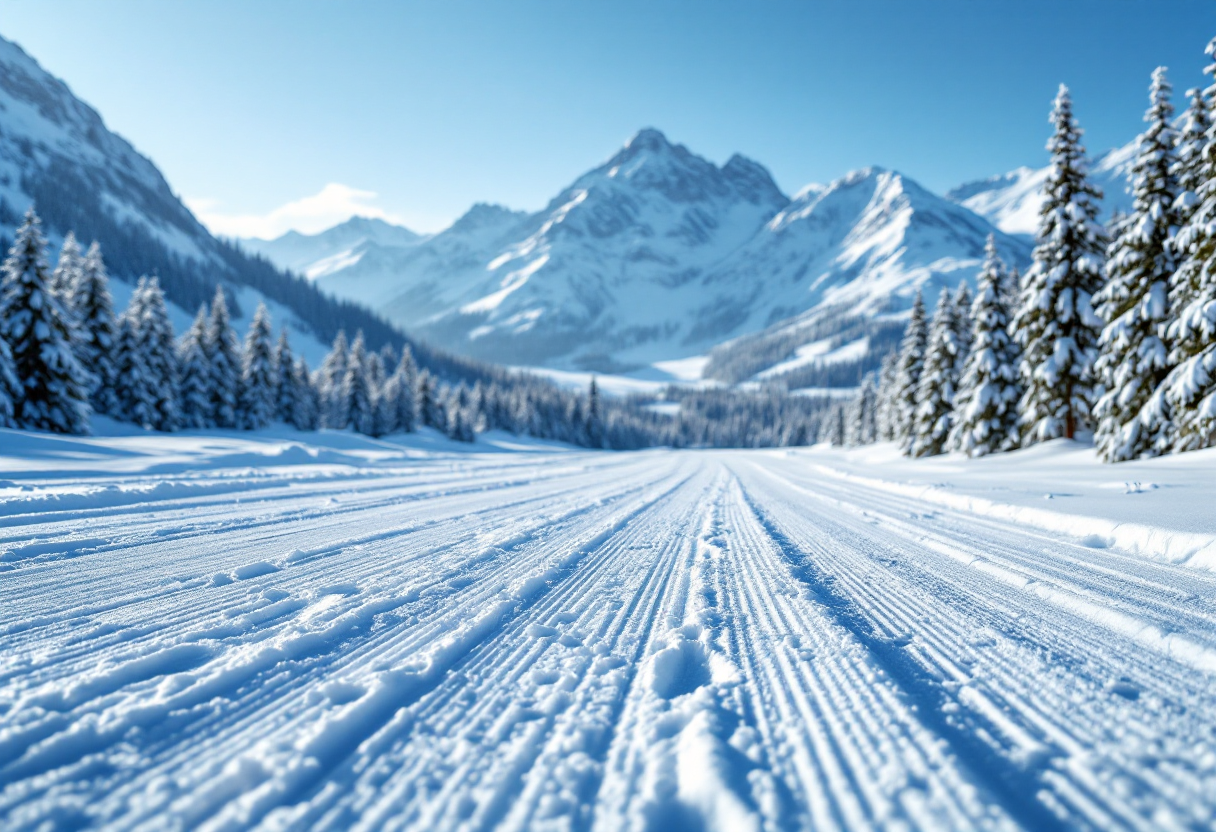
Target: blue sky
267 115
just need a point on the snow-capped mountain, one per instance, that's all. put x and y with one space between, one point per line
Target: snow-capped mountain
57 154
337 248
658 254
1012 200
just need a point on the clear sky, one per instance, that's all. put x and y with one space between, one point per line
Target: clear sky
267 115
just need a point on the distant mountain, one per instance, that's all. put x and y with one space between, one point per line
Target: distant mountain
337 248
57 154
659 254
1012 200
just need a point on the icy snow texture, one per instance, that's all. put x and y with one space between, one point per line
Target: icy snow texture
325 631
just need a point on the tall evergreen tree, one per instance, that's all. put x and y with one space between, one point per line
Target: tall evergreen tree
10 388
1055 325
53 387
1132 355
938 382
911 362
93 309
405 379
284 380
985 406
257 398
195 374
224 356
1189 165
1188 395
135 388
159 347
962 321
306 414
357 404
886 421
67 271
865 414
595 419
330 377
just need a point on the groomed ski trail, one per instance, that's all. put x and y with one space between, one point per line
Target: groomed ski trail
652 641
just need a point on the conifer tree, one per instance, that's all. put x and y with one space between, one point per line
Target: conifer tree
284 380
911 362
885 418
357 405
865 414
224 356
9 387
1188 394
93 309
1189 165
405 380
306 413
330 377
595 420
938 382
985 406
1132 357
159 347
195 411
53 392
136 393
67 271
837 432
257 398
1055 324
962 321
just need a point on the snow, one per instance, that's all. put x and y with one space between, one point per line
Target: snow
819 352
227 630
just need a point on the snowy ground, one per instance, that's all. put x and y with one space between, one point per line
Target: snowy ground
290 631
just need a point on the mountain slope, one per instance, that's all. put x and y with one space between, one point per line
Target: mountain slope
1012 200
339 247
659 254
57 154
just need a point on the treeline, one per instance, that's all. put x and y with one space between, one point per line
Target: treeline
65 354
1112 329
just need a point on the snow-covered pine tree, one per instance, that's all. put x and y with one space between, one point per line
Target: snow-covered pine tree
1132 357
962 321
306 414
53 390
1192 139
159 346
284 380
985 406
257 398
864 430
404 375
837 429
425 395
224 355
911 362
888 376
595 418
9 386
385 406
330 377
938 382
1188 394
135 389
93 309
1056 326
195 410
67 271
376 372
356 395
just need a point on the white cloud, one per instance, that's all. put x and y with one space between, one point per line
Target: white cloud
334 203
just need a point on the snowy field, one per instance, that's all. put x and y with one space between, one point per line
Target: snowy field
283 630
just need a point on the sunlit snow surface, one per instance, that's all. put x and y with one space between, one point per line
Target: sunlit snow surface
283 630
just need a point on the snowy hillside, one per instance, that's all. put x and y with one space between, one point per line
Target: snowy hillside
659 255
57 154
325 631
1011 201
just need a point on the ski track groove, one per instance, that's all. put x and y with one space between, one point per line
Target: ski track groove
651 641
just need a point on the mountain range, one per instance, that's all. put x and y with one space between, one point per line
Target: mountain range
656 256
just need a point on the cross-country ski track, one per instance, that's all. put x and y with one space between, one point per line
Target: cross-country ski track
659 640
